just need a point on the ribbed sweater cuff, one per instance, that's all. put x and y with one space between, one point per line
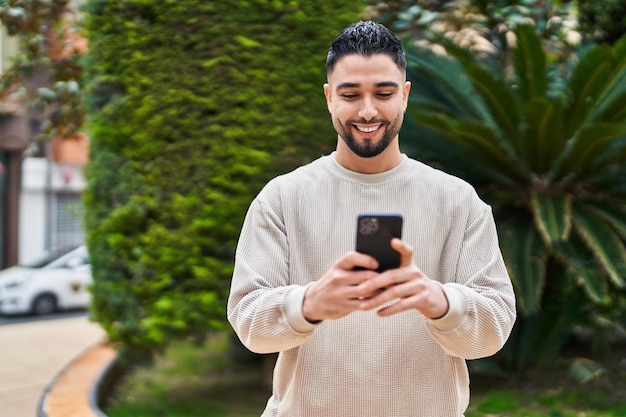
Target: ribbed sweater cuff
293 310
457 308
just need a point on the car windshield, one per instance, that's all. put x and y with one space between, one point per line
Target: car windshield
44 260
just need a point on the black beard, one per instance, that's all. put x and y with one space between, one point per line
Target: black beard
369 149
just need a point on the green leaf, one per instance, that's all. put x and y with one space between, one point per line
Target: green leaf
615 87
525 256
592 143
538 337
552 214
543 138
247 42
585 83
479 141
613 212
499 99
596 82
491 88
530 63
438 84
613 111
580 263
603 242
585 370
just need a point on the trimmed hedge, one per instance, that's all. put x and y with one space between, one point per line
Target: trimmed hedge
192 107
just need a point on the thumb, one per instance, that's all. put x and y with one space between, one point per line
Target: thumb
405 250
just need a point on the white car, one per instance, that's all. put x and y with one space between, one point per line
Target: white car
50 284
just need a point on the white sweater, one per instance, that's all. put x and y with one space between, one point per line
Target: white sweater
364 365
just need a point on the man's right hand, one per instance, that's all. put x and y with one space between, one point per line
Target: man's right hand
336 294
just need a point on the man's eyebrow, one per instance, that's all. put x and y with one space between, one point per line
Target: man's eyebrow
347 85
388 84
378 85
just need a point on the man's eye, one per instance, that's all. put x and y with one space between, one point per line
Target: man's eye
349 96
384 94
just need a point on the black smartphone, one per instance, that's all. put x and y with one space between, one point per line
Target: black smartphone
373 237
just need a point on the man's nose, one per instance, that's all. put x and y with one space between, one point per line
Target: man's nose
368 109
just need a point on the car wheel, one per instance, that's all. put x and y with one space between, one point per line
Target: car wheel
44 304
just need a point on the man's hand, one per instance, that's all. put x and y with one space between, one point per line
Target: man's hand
412 288
343 290
339 292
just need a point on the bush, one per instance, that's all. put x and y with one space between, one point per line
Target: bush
548 154
193 106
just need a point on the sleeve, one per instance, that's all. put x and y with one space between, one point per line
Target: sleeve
263 308
482 303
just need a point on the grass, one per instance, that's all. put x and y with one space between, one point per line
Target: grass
552 391
568 400
199 381
191 381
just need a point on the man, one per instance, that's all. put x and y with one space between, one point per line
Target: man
354 342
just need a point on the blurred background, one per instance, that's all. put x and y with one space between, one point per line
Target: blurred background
137 132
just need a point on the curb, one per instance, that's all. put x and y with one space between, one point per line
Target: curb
82 385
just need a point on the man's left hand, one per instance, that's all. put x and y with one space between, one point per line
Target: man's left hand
409 285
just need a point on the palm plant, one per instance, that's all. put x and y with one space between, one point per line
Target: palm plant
548 152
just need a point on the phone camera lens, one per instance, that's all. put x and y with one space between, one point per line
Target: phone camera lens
369 225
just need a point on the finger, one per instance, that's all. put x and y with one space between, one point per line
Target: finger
355 260
355 278
393 309
383 281
381 296
405 250
362 297
398 283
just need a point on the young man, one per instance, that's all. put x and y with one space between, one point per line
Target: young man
354 342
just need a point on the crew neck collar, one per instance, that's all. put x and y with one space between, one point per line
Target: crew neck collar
367 178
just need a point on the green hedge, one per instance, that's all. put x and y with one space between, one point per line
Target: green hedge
192 107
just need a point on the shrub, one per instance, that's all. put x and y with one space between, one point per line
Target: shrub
193 106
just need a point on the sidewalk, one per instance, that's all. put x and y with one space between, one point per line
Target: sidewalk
33 354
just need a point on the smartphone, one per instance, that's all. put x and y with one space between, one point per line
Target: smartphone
373 237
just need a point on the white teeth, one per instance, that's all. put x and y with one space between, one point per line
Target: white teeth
367 129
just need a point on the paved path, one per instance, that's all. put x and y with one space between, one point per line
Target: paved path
32 354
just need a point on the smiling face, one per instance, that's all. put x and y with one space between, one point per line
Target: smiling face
367 97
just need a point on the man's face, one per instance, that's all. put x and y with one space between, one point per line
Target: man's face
367 97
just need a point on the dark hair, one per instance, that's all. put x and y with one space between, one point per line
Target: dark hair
365 38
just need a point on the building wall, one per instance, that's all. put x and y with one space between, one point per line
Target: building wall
8 48
50 207
40 204
12 144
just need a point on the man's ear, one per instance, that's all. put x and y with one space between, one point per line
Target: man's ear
405 93
328 93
